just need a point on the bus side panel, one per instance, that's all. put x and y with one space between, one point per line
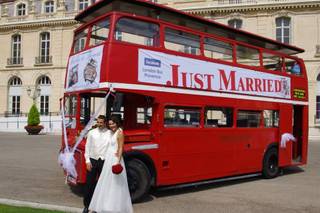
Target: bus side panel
285 153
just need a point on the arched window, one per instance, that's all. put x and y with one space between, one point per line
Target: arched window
318 98
48 7
14 95
283 29
44 56
15 50
235 23
44 83
21 9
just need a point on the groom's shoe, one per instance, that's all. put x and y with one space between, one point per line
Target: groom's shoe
85 210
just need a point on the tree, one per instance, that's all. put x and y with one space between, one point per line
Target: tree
33 116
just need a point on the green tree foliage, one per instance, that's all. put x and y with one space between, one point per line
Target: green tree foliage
33 116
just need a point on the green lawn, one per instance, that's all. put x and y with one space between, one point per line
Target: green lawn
14 209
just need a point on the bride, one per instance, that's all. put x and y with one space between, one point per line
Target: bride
111 194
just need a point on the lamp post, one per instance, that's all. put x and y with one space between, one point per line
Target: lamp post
35 93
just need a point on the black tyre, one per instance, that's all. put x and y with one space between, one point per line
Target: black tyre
270 164
138 179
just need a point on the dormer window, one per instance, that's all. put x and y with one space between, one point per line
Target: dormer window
21 9
49 7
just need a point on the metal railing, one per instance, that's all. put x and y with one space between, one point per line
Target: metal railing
239 2
43 59
16 122
15 61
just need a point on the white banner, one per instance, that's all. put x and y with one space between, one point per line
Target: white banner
177 71
84 70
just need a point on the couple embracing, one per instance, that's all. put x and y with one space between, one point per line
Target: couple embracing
103 152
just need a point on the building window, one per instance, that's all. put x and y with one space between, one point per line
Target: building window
83 4
235 23
21 9
49 7
16 49
44 80
44 48
45 87
283 29
14 95
318 98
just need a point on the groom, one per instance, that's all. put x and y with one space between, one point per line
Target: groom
94 154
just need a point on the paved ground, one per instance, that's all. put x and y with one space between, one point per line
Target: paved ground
29 172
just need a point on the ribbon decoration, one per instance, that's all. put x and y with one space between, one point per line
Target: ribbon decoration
66 157
286 137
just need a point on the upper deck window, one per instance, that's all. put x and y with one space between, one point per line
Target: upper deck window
292 66
182 41
248 56
100 32
80 40
217 49
272 62
137 32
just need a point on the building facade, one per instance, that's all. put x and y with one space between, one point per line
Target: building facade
35 39
296 22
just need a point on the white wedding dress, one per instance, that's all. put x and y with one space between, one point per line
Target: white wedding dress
111 194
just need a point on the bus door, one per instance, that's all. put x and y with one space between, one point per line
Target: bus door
298 119
285 126
181 144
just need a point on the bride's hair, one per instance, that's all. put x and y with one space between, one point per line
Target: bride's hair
116 118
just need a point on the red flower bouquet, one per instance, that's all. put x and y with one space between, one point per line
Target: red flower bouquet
117 169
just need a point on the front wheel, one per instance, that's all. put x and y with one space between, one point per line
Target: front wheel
270 164
138 179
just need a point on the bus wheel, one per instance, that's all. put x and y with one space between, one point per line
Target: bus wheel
270 164
138 179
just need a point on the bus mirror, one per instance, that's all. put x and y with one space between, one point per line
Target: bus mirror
117 103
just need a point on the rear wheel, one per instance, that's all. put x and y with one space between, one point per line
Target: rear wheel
270 163
138 179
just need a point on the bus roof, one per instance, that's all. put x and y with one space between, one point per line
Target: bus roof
147 8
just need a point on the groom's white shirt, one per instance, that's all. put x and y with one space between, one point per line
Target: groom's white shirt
97 142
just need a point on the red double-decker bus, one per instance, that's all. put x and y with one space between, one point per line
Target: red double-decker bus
199 100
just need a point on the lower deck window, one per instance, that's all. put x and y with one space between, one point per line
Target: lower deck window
248 118
218 117
181 117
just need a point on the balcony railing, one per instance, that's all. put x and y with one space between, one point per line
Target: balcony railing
239 2
14 61
43 60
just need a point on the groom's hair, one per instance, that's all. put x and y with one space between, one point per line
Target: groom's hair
102 117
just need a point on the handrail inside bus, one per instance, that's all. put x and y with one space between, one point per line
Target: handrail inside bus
102 7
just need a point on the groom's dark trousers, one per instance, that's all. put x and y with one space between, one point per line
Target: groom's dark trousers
91 181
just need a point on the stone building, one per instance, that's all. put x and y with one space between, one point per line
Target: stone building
35 40
292 21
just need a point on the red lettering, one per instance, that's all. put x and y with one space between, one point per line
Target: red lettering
257 83
226 81
249 83
198 79
208 77
278 86
240 85
270 85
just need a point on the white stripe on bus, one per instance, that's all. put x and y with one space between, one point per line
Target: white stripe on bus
196 92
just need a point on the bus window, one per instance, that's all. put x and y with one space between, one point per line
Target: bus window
272 62
181 117
271 118
217 49
248 56
292 66
180 41
218 117
99 32
144 115
80 40
137 32
248 118
70 111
